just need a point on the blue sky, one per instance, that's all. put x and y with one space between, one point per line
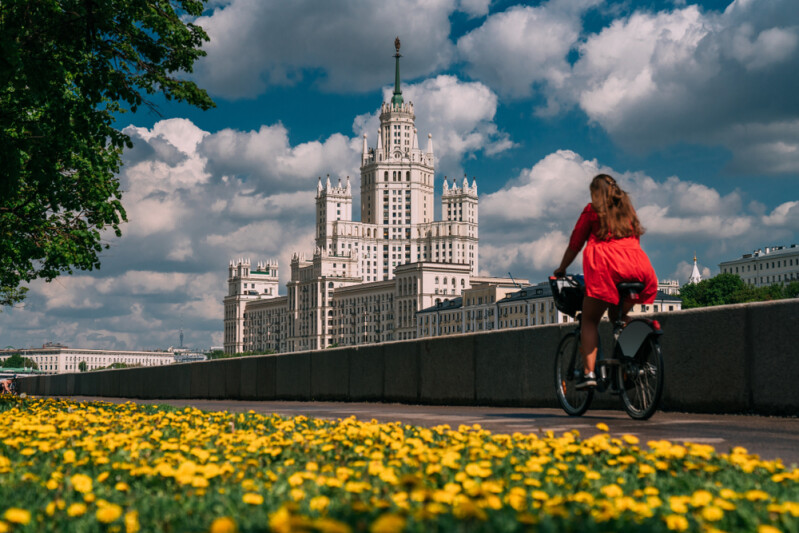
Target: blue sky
692 106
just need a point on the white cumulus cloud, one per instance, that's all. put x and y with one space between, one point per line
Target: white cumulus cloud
459 115
255 44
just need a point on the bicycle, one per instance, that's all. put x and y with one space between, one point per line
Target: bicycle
635 372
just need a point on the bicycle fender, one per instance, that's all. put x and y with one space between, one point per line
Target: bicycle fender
633 336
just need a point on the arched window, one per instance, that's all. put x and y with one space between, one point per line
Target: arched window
408 176
385 175
436 279
445 281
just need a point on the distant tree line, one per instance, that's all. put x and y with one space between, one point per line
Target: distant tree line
17 361
731 289
83 366
219 354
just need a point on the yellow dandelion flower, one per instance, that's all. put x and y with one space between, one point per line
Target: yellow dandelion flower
757 495
678 505
602 427
630 439
108 513
252 498
81 483
76 509
132 522
388 523
319 503
224 524
122 487
701 498
676 522
475 470
712 513
328 525
724 504
15 515
763 528
102 477
612 491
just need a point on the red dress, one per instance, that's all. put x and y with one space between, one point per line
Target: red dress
611 261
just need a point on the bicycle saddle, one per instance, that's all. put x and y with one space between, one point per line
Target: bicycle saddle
630 286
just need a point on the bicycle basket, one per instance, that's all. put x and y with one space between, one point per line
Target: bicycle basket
568 294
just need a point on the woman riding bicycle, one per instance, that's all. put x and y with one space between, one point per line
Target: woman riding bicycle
613 255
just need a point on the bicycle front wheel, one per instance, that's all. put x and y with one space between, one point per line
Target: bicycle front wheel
641 380
568 367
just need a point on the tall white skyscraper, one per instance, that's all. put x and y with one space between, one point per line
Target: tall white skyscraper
397 228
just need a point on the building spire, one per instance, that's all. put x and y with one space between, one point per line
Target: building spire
696 277
396 100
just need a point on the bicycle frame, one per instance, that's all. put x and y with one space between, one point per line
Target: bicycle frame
631 338
634 371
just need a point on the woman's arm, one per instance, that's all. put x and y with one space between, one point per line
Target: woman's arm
568 257
579 236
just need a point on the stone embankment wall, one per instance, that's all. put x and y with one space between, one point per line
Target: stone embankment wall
727 359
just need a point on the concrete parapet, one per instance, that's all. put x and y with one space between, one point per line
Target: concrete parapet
330 378
401 380
366 373
737 358
446 369
293 376
266 377
774 367
233 378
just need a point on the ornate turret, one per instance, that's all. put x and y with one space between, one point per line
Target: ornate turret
396 100
696 277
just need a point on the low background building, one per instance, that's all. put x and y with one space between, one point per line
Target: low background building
503 305
57 359
766 266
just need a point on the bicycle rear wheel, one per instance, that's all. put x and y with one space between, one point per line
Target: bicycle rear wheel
641 380
568 366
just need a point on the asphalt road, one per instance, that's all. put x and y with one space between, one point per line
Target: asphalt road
769 437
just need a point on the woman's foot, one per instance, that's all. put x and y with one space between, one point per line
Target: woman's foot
586 381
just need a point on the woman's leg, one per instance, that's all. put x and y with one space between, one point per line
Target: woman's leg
593 310
625 308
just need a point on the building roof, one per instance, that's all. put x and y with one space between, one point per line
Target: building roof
764 254
446 305
541 290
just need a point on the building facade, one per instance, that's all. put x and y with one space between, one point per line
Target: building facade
766 266
61 359
500 306
365 279
396 274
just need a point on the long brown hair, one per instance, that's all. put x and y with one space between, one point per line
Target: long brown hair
617 218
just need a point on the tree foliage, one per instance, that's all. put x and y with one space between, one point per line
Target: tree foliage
731 289
17 361
68 68
219 354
